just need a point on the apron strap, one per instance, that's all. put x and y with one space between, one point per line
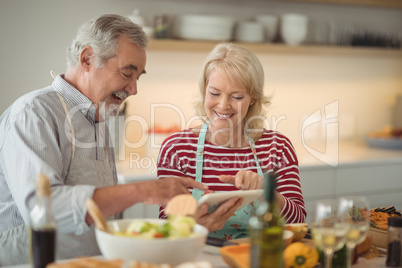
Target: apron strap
197 193
254 150
73 133
104 143
69 121
52 74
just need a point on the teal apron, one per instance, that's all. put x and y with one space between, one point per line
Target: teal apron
236 226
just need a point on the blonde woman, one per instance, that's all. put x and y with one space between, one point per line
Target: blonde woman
234 149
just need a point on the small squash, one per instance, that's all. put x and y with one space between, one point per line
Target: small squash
299 255
237 256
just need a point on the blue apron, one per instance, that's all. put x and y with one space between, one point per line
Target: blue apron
236 226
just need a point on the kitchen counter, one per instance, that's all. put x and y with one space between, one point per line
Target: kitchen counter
311 156
212 255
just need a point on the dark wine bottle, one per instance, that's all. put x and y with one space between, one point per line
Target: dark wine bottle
266 229
43 226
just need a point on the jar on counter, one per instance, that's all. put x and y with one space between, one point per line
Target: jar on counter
161 26
394 252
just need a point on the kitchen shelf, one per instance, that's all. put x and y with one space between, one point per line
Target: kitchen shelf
175 45
367 3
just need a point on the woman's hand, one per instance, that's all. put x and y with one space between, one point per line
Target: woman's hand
249 180
216 219
244 180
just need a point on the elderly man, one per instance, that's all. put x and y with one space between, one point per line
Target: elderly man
60 131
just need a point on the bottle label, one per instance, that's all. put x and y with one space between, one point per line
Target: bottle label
43 247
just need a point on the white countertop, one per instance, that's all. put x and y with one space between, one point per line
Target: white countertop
345 153
309 155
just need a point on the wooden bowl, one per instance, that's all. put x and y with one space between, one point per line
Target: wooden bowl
299 230
288 237
379 237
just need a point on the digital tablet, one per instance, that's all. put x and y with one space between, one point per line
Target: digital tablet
214 199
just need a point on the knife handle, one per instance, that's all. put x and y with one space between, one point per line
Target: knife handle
218 242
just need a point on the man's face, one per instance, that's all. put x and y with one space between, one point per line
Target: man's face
117 79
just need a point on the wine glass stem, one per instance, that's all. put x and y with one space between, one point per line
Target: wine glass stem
349 256
328 258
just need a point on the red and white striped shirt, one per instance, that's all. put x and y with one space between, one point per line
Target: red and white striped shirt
177 158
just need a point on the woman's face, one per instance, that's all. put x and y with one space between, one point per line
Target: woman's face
226 104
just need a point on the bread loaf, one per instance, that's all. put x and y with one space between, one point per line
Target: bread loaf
95 263
87 263
365 245
200 264
137 264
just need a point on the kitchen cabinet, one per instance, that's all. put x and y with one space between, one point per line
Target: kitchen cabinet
128 175
179 45
362 170
142 211
380 182
316 183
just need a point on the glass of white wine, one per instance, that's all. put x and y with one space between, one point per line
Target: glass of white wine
329 227
358 221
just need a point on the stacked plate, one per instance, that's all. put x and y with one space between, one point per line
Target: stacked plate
203 27
249 31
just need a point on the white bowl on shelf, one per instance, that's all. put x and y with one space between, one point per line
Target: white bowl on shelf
203 27
249 31
203 32
207 20
293 28
270 23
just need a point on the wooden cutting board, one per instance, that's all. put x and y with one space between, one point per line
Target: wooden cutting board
309 242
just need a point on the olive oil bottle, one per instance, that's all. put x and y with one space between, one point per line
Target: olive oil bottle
266 229
43 227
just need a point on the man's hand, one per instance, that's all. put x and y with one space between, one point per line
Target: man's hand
116 198
162 190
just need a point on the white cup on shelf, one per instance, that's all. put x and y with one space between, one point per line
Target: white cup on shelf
270 23
293 28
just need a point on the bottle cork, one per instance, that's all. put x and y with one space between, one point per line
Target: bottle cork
43 186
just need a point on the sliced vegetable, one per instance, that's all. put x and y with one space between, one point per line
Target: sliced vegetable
173 227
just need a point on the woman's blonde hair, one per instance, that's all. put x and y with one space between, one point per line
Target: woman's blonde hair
242 67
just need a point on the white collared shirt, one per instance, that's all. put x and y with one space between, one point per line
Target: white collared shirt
36 138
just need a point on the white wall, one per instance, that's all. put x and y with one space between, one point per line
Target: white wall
364 89
35 34
34 37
